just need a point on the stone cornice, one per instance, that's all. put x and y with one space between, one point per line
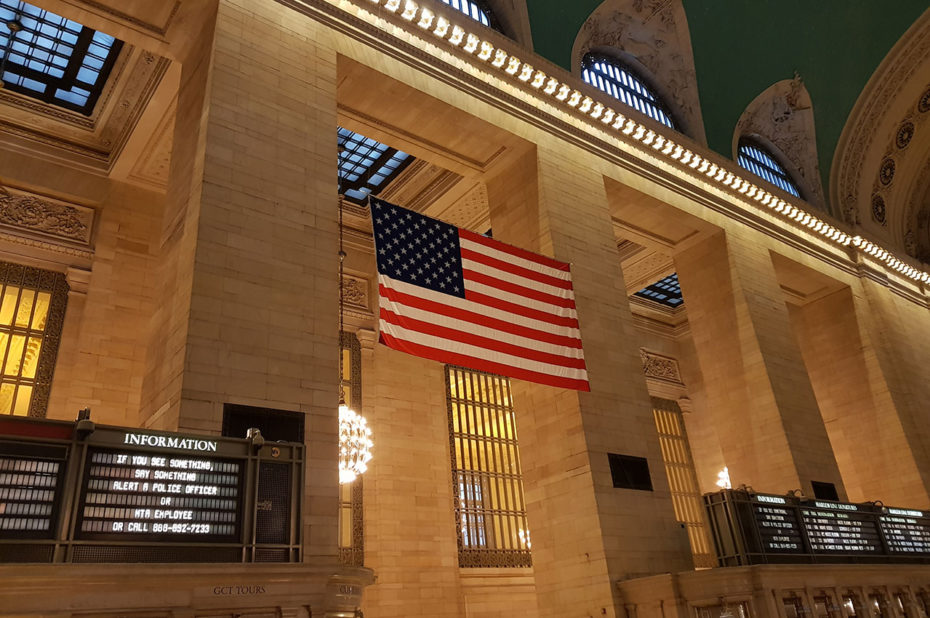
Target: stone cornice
717 184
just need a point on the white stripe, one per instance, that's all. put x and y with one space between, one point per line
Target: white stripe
480 309
514 259
457 347
530 303
481 331
510 277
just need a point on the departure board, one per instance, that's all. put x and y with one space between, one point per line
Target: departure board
841 528
778 525
28 496
151 494
907 531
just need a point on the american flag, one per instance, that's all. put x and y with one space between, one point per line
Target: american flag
461 298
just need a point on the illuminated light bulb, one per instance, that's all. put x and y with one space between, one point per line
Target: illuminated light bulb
857 241
526 73
650 136
538 79
471 43
410 10
695 162
628 128
678 152
751 192
458 35
500 57
844 239
687 157
619 121
574 99
720 174
640 132
659 141
551 85
563 92
513 66
800 214
729 179
704 165
784 208
597 111
669 147
354 444
442 27
712 170
745 187
586 105
426 19
608 116
392 5
723 479
486 50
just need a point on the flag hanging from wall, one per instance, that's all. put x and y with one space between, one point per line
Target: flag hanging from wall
461 298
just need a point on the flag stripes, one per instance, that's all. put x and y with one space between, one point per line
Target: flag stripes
458 297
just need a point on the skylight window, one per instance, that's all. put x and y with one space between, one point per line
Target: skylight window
622 83
665 291
758 160
472 9
366 166
53 59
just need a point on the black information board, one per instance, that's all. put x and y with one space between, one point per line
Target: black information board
170 494
751 528
30 489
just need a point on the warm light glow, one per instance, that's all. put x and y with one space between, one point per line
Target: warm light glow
525 538
723 479
354 445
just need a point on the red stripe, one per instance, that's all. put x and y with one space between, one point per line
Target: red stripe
519 290
444 356
520 271
487 343
527 312
457 313
526 255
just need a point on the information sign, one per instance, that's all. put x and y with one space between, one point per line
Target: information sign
154 492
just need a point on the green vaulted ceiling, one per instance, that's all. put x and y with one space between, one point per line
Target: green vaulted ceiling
741 47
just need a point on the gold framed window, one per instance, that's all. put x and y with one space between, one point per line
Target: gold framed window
351 525
490 511
32 309
682 478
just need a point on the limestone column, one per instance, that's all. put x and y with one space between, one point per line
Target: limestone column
847 365
249 266
770 428
587 534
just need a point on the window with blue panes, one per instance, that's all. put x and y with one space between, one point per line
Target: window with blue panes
366 166
753 156
622 83
477 11
53 59
665 292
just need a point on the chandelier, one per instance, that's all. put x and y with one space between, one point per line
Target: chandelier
354 444
354 435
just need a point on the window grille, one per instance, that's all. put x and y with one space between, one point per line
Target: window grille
351 524
366 166
478 11
490 512
622 83
682 479
53 59
757 159
739 609
32 308
666 291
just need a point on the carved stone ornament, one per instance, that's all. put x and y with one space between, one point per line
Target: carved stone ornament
879 212
355 292
49 217
660 367
905 135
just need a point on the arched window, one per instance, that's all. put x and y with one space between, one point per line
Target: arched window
622 83
478 11
756 158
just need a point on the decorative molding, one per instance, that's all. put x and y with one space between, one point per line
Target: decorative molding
355 292
99 7
31 213
420 185
653 33
783 116
660 367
